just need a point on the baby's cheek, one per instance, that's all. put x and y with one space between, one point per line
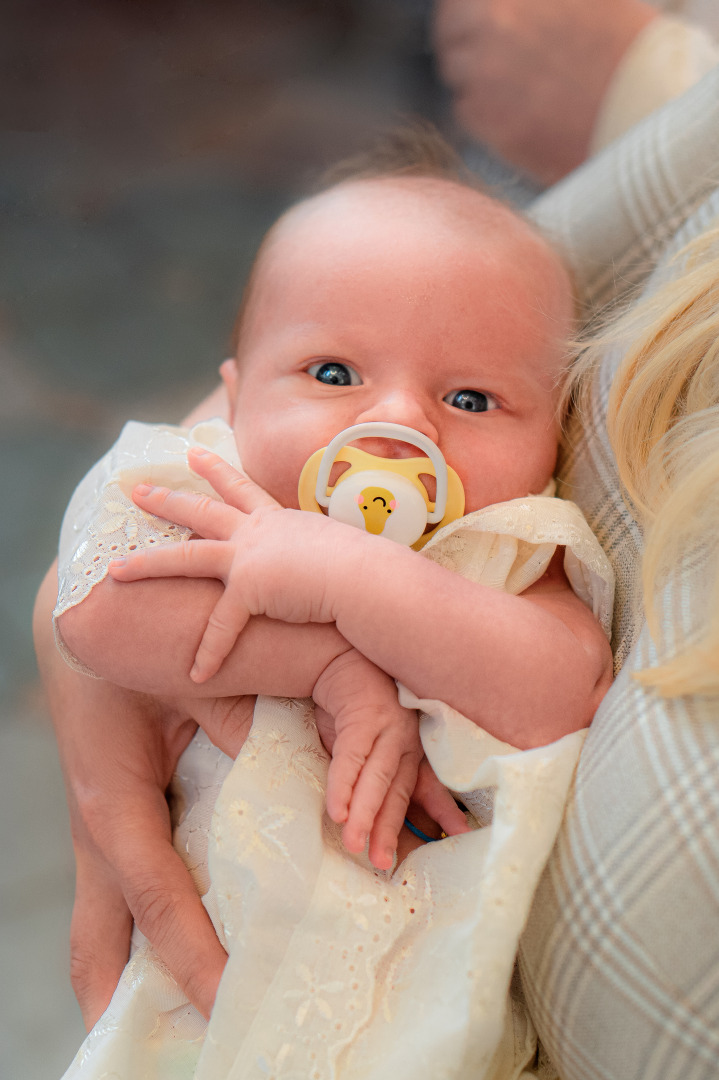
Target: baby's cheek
274 449
273 474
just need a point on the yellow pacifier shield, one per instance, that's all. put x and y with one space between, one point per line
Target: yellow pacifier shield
384 496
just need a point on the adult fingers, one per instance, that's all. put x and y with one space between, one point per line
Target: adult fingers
170 914
207 517
164 901
435 799
189 558
226 721
99 935
456 26
235 487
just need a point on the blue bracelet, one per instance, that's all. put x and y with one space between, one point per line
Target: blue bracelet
421 835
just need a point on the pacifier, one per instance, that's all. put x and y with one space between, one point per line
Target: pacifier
384 496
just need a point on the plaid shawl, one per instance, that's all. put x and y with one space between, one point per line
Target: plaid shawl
620 957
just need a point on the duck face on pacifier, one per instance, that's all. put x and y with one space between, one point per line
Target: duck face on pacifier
383 495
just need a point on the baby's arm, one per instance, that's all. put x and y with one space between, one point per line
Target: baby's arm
376 747
144 636
375 759
528 668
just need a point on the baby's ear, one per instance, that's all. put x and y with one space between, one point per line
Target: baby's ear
230 378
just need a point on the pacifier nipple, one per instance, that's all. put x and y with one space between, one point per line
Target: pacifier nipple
384 496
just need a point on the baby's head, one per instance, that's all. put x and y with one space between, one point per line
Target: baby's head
410 299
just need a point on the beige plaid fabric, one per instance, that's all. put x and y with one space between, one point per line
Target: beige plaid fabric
620 958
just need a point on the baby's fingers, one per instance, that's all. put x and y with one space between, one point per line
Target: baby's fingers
234 487
381 771
205 516
191 558
223 627
344 769
390 817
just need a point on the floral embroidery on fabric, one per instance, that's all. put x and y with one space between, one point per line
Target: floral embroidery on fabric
281 760
354 903
120 527
304 709
257 832
103 523
313 994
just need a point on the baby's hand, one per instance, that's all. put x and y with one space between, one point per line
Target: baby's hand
377 766
375 754
223 626
236 550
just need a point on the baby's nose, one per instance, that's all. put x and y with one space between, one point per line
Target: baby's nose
401 407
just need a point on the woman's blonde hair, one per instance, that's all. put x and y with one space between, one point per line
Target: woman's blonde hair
663 425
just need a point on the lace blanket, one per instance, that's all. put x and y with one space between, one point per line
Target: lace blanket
337 970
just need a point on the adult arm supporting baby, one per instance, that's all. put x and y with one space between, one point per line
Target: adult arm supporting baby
118 750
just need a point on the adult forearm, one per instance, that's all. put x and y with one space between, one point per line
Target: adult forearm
118 750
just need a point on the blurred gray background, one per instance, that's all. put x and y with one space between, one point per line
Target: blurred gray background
145 146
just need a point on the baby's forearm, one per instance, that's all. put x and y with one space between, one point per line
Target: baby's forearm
528 668
144 635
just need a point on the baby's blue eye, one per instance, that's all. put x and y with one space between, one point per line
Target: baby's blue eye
333 373
471 400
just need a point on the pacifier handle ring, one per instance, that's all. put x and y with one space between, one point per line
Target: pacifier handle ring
380 430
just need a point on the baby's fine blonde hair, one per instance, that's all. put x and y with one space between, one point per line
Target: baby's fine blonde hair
663 424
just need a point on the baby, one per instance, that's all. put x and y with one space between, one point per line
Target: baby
407 299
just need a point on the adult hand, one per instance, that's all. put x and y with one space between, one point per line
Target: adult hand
118 751
528 76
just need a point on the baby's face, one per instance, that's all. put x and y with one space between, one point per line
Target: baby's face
415 302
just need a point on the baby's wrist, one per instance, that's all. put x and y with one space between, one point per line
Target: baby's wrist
324 559
334 670
350 566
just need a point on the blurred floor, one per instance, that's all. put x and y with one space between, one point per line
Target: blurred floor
145 147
